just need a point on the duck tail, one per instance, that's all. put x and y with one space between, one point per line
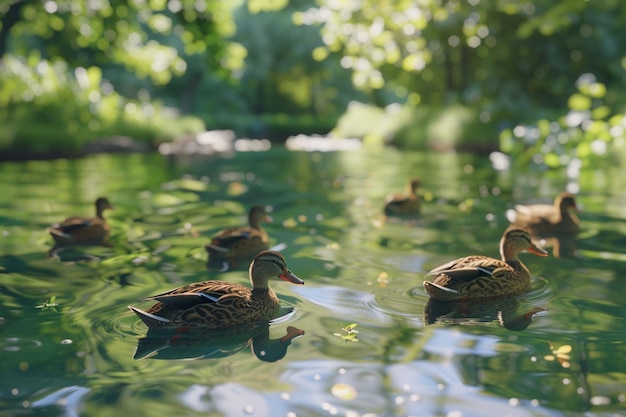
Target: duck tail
151 320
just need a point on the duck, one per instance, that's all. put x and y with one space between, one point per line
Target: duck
219 304
548 220
240 243
481 277
400 204
83 230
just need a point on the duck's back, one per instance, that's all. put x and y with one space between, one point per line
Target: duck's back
477 277
80 229
237 242
215 304
544 219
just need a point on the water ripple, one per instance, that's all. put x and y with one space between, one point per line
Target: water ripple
16 344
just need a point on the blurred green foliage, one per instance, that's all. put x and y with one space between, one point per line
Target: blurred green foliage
498 64
417 127
439 74
45 108
588 131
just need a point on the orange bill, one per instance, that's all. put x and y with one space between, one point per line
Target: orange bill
536 250
288 276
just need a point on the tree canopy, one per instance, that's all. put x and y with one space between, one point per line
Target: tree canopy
506 63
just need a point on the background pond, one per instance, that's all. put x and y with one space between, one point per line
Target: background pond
68 340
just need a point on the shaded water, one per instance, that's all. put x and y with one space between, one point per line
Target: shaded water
68 340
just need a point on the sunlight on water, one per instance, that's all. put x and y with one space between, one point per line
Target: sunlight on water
363 338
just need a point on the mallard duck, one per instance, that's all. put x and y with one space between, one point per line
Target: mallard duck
220 304
400 204
546 219
83 230
475 277
240 243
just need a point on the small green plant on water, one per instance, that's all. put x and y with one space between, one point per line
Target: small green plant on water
349 334
49 304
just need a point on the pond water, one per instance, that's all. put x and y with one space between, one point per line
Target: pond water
69 342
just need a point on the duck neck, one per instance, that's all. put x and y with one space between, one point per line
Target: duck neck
264 293
516 264
512 259
569 216
254 222
508 254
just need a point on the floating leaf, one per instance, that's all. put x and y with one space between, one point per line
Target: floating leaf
344 391
561 354
349 334
49 304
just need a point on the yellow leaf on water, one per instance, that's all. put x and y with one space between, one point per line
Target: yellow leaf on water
563 349
343 391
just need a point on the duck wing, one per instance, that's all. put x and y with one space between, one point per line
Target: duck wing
207 292
469 268
72 224
185 301
231 237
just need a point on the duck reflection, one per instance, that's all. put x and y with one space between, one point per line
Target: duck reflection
198 343
503 310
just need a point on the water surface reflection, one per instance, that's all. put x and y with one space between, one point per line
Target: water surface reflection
77 359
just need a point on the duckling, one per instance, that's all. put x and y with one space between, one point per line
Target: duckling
402 204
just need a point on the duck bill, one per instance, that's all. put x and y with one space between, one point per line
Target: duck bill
290 277
537 250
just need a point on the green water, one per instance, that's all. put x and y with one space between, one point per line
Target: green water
68 340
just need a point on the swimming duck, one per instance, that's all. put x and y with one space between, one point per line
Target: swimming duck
546 219
83 229
475 277
220 304
240 243
404 204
